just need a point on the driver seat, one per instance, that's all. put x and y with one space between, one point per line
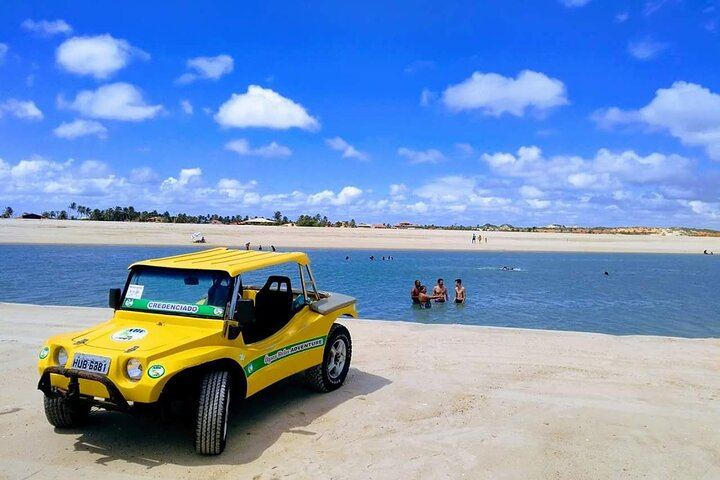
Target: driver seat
273 308
218 294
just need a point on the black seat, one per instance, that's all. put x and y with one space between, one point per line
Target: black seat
218 294
273 309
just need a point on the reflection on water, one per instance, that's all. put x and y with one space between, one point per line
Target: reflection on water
642 294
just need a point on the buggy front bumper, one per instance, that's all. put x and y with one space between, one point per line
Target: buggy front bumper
115 402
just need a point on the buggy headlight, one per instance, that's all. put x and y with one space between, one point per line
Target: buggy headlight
134 369
62 356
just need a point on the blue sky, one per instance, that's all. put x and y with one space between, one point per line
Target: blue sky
580 112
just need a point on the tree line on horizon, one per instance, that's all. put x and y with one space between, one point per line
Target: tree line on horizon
75 211
129 214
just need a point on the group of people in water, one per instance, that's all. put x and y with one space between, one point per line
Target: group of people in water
420 296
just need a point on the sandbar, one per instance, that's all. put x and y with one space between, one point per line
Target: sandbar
80 232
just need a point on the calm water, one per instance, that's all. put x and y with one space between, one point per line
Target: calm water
676 295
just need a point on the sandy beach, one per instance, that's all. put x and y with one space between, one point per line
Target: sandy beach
421 401
68 232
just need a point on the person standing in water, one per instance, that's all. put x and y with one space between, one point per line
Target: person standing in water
459 292
424 298
440 291
415 292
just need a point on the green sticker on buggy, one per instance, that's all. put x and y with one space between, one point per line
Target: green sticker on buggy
281 353
44 353
156 371
187 308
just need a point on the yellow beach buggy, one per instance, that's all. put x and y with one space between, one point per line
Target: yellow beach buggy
200 328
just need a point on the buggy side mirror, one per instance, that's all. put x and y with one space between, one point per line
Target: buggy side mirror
114 298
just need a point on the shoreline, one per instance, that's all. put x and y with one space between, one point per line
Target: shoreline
420 401
489 328
93 233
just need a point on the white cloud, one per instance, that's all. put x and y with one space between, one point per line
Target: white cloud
262 107
143 175
495 95
80 128
613 116
652 6
622 17
186 106
35 167
232 188
458 193
46 27
447 189
454 189
40 177
418 207
99 56
117 101
25 110
687 111
398 190
347 195
94 169
465 149
705 209
606 170
645 49
528 191
538 204
273 149
574 3
188 176
3 52
427 97
428 156
210 68
348 151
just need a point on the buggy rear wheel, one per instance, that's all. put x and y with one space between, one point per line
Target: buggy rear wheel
333 370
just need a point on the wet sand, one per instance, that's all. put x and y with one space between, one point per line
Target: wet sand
421 401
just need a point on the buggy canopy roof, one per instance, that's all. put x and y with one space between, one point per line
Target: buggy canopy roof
234 262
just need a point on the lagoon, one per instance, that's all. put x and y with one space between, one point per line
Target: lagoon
643 294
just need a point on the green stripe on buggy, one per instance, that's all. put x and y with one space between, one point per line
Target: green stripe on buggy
282 353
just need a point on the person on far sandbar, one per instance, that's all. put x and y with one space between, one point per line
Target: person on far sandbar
440 291
459 291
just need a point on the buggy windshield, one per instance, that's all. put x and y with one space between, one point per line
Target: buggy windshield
200 293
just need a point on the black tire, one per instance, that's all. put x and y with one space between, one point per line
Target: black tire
62 413
331 373
211 424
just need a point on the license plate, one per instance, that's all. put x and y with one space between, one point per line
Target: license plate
91 363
